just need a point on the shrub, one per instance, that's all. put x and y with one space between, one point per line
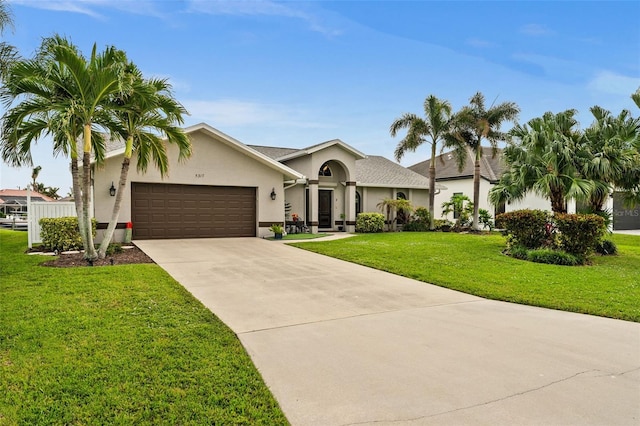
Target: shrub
485 219
579 233
370 222
517 251
416 226
114 248
442 225
62 233
527 227
553 257
419 221
606 247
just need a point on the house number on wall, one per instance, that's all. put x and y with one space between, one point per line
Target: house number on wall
199 175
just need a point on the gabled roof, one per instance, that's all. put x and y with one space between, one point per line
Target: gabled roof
274 152
318 147
115 148
491 167
377 171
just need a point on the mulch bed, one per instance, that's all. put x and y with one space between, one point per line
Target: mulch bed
128 256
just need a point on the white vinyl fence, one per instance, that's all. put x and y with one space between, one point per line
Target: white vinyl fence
36 210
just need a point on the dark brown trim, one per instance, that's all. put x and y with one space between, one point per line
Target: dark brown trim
351 183
314 182
105 225
351 222
314 223
268 224
338 222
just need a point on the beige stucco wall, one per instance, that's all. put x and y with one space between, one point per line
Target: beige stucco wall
372 196
464 186
212 163
309 165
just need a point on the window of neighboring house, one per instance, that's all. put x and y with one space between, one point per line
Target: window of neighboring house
358 203
325 170
456 211
500 208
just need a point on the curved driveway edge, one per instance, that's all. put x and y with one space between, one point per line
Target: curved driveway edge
342 344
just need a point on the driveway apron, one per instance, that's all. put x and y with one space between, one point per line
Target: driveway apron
342 344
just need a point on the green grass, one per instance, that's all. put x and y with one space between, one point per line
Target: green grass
300 236
474 264
117 345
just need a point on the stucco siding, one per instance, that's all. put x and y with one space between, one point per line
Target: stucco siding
212 163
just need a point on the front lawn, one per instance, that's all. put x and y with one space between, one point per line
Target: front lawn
117 345
474 264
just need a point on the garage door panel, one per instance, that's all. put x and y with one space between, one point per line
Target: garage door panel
192 211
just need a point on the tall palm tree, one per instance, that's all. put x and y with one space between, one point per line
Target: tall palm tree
34 176
473 124
8 53
63 94
145 116
431 130
543 156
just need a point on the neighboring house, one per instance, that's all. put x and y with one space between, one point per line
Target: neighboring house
229 189
461 181
14 201
491 169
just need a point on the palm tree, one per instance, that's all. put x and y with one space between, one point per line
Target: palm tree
471 125
420 130
543 156
8 53
145 115
611 158
34 176
63 94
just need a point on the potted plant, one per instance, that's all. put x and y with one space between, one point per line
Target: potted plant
277 230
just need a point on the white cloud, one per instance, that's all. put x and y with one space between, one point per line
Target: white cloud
536 30
479 43
257 8
615 84
91 7
231 112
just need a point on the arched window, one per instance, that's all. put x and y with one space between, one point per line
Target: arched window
325 170
358 203
401 196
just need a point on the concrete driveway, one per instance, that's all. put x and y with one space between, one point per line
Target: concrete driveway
341 344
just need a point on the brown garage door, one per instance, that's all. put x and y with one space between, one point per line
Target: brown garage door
160 210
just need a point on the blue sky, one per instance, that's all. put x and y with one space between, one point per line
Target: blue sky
295 74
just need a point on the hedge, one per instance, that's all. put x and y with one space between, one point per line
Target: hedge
527 228
579 233
370 222
62 233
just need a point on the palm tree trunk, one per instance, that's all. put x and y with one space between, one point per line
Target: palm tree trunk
77 199
558 204
89 250
432 187
108 235
476 193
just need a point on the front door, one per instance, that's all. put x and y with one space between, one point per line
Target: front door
324 208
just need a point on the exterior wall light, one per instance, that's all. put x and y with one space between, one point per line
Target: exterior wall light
112 190
273 193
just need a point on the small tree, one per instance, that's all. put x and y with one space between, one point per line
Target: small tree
461 207
388 205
